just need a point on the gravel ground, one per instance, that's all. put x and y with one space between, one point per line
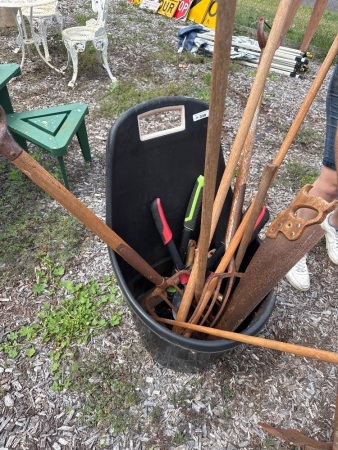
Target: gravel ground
220 407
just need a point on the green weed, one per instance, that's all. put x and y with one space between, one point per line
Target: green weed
180 438
307 136
76 312
298 174
228 392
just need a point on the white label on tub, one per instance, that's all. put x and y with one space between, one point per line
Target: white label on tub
200 115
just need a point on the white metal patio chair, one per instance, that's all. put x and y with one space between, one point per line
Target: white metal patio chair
75 39
42 17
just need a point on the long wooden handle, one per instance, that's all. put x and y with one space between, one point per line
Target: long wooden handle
316 15
241 233
273 42
221 58
219 82
269 172
246 155
24 162
300 350
292 13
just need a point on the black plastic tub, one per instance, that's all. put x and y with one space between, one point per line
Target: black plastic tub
164 163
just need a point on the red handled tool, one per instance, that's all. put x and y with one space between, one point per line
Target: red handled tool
167 237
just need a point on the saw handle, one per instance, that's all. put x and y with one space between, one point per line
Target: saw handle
292 226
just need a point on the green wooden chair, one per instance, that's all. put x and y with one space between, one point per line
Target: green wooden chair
7 72
52 129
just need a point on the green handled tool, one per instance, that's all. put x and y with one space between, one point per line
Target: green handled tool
191 215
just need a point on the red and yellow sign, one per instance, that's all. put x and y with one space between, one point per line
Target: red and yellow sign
183 9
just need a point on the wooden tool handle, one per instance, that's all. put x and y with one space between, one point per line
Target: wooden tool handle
23 161
300 350
219 81
316 15
305 106
273 42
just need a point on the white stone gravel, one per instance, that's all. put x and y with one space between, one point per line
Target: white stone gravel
220 408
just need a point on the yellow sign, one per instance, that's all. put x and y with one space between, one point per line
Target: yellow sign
168 7
198 10
209 20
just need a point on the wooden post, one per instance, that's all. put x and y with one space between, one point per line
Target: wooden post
7 17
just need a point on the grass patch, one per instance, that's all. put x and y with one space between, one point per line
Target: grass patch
74 314
298 174
108 391
248 13
128 93
307 136
38 227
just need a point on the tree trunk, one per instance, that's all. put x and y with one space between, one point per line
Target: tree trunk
7 17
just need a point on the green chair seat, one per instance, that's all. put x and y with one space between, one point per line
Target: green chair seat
52 129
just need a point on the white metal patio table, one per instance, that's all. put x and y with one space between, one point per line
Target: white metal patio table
24 39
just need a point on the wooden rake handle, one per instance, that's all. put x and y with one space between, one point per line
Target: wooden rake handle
307 102
299 350
24 162
273 42
223 35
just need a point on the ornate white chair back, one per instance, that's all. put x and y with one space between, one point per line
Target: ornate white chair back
101 8
75 39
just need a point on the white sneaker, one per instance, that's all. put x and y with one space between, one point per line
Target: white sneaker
331 236
299 276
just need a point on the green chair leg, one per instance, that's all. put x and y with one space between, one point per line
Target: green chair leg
20 140
63 171
5 101
83 141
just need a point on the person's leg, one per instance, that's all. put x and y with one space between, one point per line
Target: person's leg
326 187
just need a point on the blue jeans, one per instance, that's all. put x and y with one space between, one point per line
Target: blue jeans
331 121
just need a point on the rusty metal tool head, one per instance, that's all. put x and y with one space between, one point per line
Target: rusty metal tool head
295 437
